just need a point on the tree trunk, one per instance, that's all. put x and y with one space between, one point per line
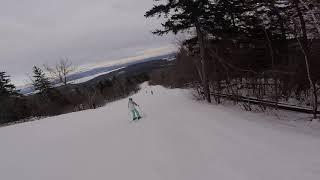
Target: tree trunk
306 52
312 87
273 66
205 81
284 44
280 19
305 45
65 80
315 101
312 84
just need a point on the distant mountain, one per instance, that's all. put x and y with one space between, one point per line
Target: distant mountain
98 73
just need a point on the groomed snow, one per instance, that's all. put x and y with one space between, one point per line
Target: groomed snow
179 139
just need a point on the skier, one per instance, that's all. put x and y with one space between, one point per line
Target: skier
132 107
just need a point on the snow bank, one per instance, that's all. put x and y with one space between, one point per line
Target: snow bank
179 139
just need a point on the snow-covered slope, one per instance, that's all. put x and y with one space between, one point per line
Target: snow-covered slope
178 139
87 78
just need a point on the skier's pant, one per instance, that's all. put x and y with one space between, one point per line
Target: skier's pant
135 114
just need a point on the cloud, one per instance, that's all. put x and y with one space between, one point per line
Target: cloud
36 32
146 53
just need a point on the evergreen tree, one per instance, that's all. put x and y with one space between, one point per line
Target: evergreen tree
40 82
8 99
6 88
182 15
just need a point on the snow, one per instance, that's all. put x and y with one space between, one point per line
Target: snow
85 79
179 139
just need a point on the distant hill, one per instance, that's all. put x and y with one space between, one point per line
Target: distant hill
96 74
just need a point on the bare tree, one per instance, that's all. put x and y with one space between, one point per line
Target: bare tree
314 99
306 54
62 69
91 95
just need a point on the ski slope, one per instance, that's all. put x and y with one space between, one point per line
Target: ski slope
178 139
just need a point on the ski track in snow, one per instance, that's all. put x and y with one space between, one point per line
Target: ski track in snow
179 139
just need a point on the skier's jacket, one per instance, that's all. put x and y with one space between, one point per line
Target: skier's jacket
131 105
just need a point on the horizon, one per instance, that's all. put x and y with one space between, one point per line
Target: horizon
41 32
24 81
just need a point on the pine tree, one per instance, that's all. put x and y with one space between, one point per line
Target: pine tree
6 88
182 15
40 82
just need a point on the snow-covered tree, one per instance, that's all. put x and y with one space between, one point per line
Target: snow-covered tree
40 82
7 89
183 15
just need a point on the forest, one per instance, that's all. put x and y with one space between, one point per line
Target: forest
263 50
49 99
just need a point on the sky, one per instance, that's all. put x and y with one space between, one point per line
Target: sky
37 32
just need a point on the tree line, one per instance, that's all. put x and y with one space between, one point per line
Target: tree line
54 95
267 49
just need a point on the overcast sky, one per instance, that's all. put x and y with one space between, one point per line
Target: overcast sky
37 32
